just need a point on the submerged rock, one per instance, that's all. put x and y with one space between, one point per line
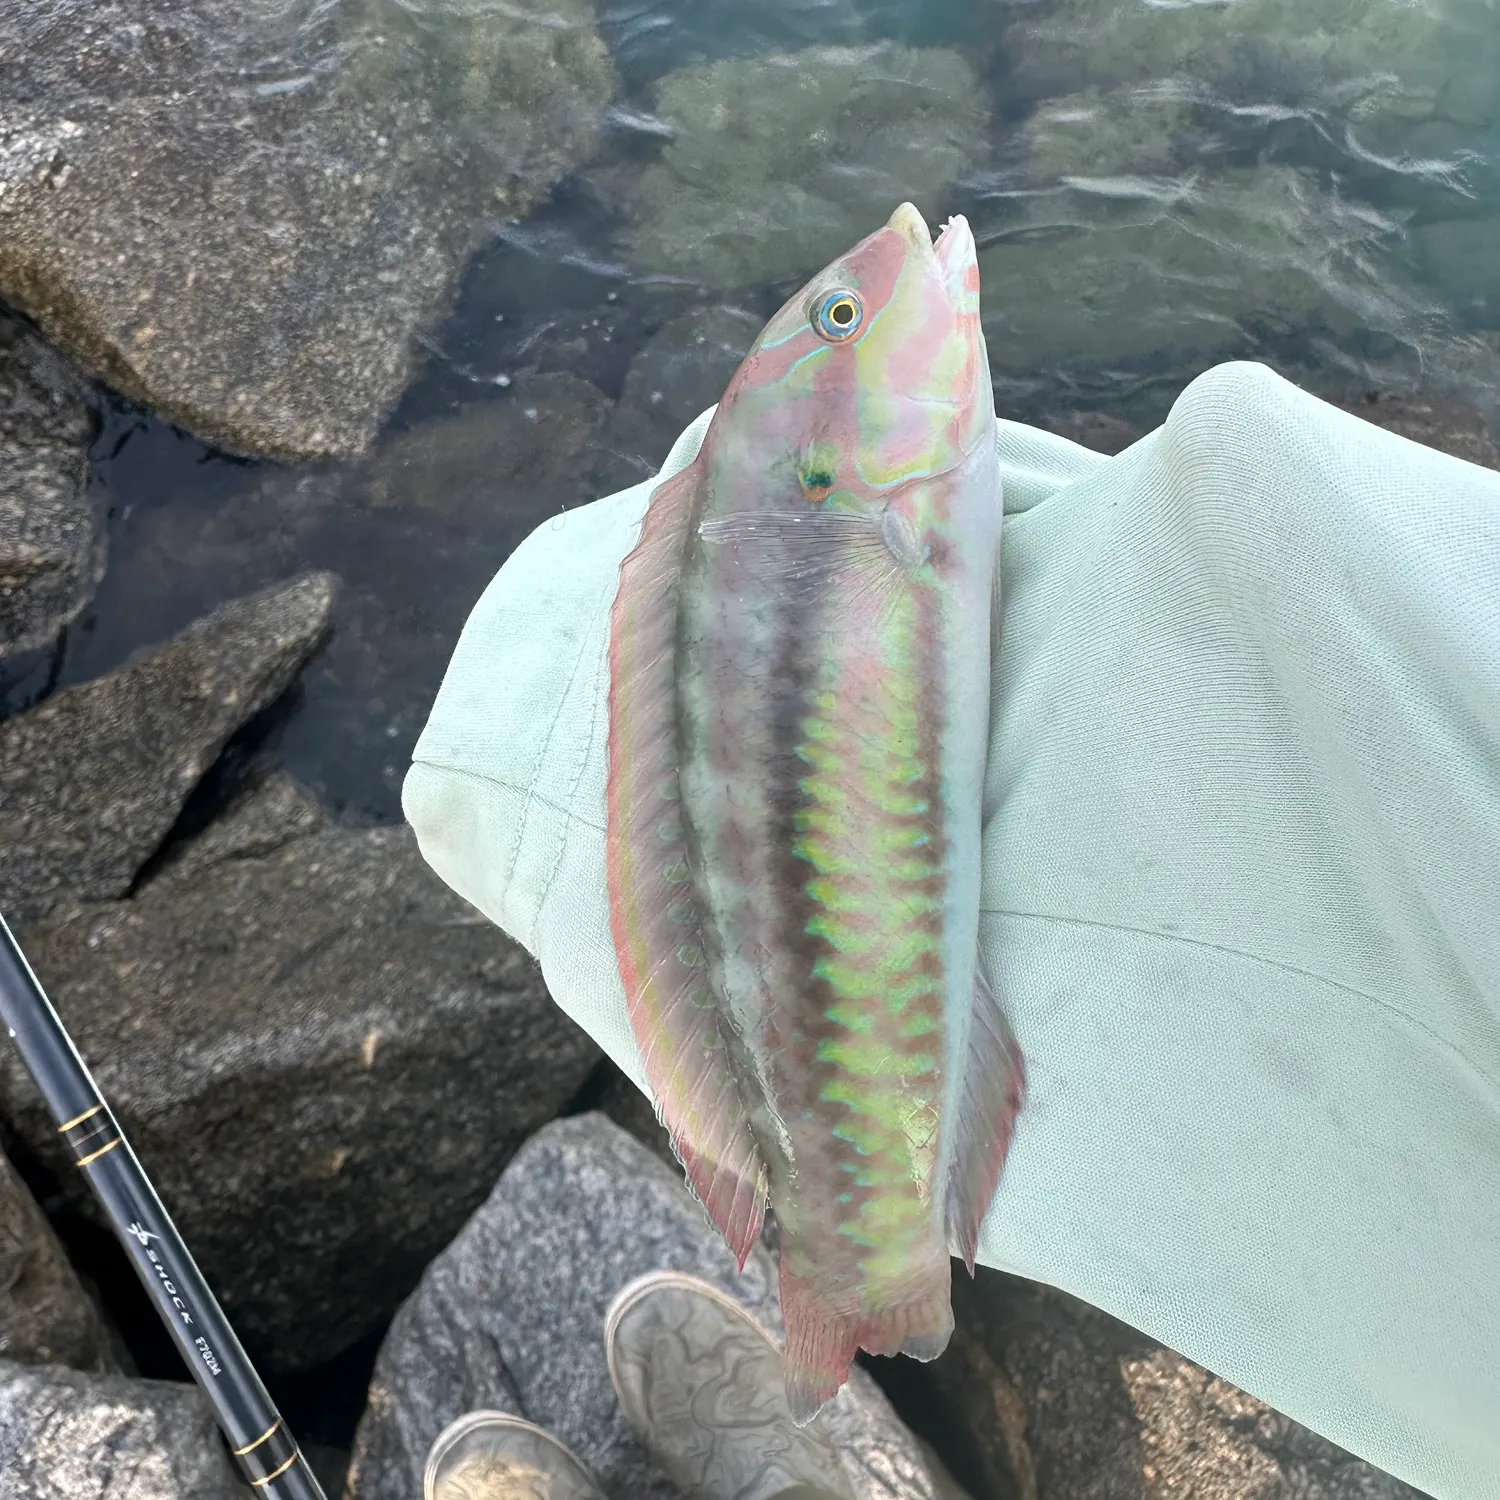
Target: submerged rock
511 1315
678 375
68 1436
778 164
92 779
323 1057
1446 423
241 216
1322 57
46 1317
415 531
51 528
521 457
1181 270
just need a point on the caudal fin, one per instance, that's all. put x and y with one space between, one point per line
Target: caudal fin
821 1340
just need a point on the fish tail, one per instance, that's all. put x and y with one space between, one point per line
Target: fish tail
822 1339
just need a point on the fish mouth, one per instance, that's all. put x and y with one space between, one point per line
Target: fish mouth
953 253
912 227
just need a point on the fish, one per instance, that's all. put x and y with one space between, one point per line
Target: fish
799 669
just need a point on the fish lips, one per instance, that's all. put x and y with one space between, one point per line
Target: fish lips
953 255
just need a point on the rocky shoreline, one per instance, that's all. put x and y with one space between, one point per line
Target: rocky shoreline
412 1181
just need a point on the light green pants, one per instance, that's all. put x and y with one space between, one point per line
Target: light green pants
1241 888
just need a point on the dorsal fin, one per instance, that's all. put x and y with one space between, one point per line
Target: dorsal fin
994 1087
654 916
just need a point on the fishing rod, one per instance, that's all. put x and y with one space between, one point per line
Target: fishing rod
263 1449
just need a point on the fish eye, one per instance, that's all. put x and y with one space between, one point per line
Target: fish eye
838 316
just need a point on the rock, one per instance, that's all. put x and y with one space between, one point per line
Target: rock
258 821
1446 423
92 779
1058 1398
51 528
415 532
650 37
46 1317
68 1436
1458 257
678 375
322 1055
511 1315
241 217
532 453
1183 271
1100 430
1328 57
777 164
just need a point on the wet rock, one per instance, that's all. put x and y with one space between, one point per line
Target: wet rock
323 1057
1446 423
1458 255
1100 430
1054 1397
1331 57
511 1314
777 164
680 373
68 1436
46 1317
1183 271
415 533
92 779
51 528
241 217
529 454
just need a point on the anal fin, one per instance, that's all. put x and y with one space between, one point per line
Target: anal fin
654 917
994 1088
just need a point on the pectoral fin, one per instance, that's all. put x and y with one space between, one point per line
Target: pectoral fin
994 1087
654 916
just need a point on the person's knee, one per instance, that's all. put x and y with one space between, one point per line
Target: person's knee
1228 418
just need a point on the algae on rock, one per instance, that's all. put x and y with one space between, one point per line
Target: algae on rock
777 164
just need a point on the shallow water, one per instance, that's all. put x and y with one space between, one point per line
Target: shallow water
1155 185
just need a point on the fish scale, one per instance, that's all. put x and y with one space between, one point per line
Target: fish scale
798 721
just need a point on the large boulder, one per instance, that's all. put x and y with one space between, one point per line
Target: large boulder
93 778
323 1057
241 215
51 527
69 1436
46 1317
511 1316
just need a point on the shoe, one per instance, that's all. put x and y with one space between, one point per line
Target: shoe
491 1455
701 1382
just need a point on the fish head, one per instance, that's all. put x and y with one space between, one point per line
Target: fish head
871 377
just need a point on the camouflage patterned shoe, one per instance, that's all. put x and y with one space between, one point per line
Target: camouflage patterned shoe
701 1382
491 1455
